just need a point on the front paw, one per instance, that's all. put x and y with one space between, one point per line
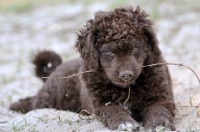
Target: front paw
117 118
128 126
161 127
158 129
122 122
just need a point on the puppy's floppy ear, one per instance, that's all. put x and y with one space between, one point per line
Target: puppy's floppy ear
145 25
154 53
85 44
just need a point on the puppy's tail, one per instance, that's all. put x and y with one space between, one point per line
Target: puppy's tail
45 63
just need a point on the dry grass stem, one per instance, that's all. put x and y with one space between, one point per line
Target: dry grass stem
188 106
73 75
129 91
85 112
178 64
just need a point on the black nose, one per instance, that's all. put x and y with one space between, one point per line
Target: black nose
126 75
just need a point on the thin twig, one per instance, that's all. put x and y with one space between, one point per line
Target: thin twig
73 75
175 64
178 64
87 112
188 106
129 91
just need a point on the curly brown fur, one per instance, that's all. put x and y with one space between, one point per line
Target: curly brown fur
115 45
45 63
56 93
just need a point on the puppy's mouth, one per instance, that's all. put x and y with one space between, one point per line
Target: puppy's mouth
123 80
124 84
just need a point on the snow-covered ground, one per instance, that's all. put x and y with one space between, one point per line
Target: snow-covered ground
55 27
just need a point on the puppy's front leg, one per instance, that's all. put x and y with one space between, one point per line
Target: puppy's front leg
116 117
159 116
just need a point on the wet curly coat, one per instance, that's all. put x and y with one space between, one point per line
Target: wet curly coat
114 45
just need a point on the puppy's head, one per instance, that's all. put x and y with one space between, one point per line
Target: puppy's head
120 42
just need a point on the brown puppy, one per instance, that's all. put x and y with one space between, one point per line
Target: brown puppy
114 45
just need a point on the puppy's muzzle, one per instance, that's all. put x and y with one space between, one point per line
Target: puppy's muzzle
126 75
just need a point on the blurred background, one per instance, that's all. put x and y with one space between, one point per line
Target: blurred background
27 26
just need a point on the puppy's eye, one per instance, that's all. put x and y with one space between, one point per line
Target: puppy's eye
109 53
135 50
